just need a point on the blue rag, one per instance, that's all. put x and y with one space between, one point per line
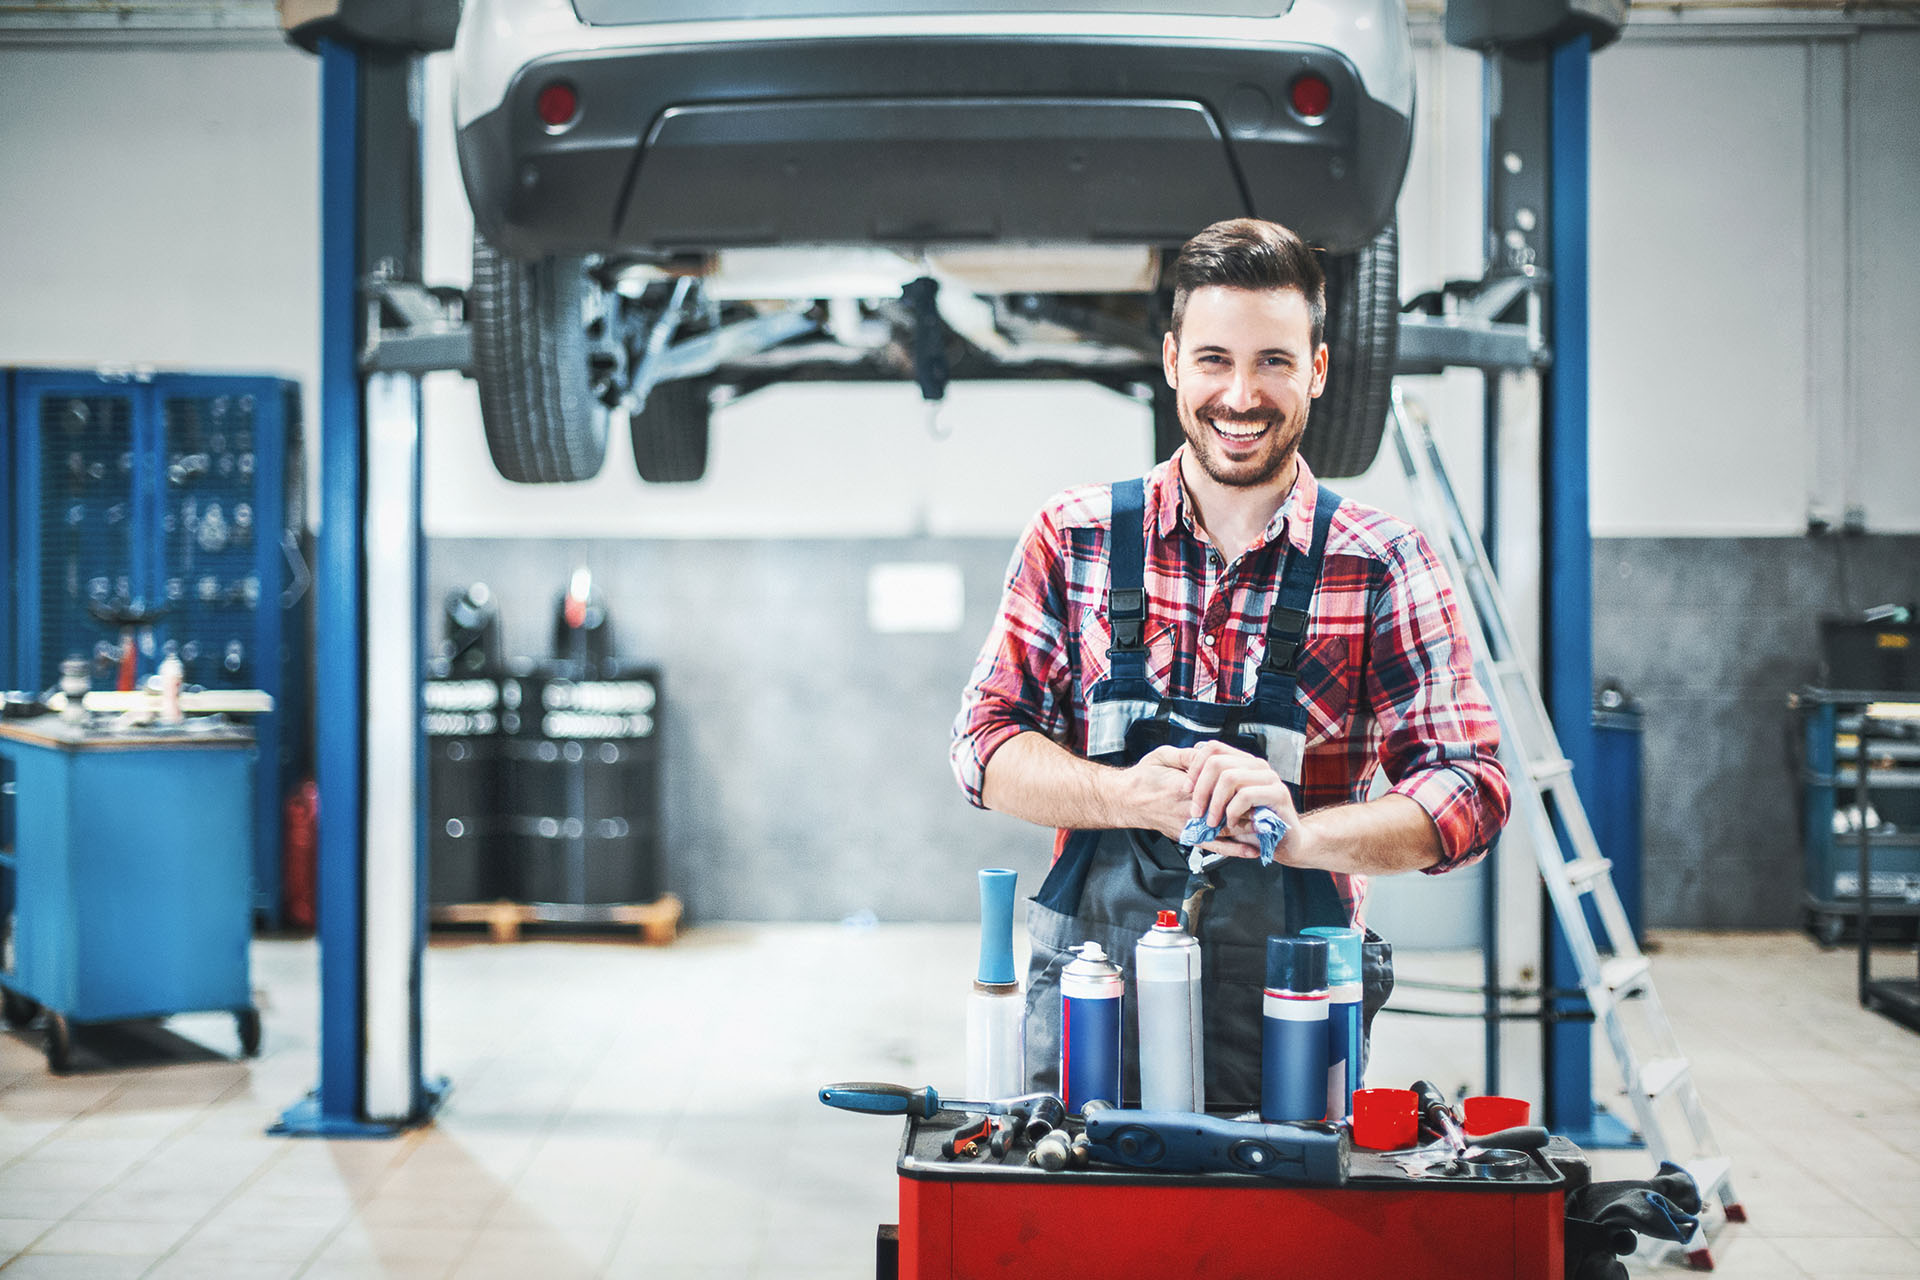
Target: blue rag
1266 824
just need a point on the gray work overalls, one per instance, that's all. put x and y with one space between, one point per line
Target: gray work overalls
1107 886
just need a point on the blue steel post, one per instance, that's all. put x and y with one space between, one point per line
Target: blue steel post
1569 561
339 606
9 469
335 1107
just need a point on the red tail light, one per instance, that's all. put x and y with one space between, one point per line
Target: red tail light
1312 96
558 104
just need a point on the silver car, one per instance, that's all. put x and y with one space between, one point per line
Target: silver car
676 197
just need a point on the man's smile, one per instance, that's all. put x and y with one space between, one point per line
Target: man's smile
1240 431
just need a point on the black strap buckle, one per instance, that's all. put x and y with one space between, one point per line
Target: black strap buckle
1129 617
1286 630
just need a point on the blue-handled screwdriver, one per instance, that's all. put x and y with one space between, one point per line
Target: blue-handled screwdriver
1044 1110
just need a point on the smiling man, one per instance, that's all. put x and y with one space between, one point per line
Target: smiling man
1222 635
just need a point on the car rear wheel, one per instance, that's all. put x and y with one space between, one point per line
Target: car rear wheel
547 362
670 434
1347 422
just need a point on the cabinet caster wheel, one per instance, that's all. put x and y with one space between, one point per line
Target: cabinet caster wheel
247 1022
17 1010
59 1043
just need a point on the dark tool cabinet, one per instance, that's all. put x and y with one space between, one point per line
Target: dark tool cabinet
175 492
1830 726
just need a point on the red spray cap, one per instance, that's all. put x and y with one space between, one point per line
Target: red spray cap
1168 920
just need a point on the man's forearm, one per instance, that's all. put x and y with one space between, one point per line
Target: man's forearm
1034 778
1380 837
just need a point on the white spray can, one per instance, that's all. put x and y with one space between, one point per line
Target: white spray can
1166 975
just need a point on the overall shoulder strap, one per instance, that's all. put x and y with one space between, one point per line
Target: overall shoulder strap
1126 575
1287 623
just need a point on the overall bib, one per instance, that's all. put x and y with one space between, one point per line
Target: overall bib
1107 886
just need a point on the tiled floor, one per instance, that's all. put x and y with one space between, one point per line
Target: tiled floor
623 1111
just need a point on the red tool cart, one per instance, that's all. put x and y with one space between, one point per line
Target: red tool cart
961 1219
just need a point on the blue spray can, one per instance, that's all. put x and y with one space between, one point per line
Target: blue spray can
1345 1025
1293 1058
1090 990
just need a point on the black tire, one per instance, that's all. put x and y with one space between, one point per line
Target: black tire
535 365
247 1023
17 1010
670 434
59 1044
1363 336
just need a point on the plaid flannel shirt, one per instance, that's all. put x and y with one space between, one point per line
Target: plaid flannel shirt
1386 676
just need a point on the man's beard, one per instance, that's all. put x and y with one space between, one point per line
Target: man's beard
1281 443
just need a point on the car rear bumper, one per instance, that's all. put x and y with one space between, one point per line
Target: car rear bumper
942 139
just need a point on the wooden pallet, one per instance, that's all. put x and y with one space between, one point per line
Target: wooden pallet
658 921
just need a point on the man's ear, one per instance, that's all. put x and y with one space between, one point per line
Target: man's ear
1319 371
1170 360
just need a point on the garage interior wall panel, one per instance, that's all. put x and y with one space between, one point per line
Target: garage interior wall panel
162 206
1699 288
1884 319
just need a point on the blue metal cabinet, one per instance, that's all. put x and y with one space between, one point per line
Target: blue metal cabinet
178 492
1830 725
124 876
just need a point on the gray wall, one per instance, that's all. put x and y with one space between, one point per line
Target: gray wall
804 755
1711 634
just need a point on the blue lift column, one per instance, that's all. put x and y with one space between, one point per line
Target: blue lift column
1568 557
368 650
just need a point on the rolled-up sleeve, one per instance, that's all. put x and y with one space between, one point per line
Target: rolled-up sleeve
1440 742
1022 679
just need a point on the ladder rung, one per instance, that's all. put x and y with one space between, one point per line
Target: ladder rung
1624 973
1582 872
1662 1074
1548 770
1710 1173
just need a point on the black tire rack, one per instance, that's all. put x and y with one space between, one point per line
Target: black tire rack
543 790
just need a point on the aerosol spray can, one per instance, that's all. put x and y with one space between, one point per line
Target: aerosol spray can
1166 976
1345 1025
1293 1054
1089 1029
996 1015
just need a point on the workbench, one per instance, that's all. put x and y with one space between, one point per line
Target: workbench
125 875
981 1216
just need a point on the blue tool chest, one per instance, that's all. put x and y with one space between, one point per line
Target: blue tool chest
173 494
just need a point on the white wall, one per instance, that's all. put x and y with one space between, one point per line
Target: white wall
161 207
1755 204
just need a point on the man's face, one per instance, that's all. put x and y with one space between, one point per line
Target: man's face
1244 371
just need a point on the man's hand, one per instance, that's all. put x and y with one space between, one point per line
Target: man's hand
1228 785
1035 778
1159 791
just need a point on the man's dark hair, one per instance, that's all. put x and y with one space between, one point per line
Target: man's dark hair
1246 253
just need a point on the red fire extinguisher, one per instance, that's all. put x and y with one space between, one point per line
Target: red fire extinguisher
299 854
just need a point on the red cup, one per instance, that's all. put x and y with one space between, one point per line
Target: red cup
1490 1113
1385 1119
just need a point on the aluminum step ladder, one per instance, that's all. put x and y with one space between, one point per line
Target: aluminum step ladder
1615 974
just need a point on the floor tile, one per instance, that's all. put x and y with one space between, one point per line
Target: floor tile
77 1266
17 1233
1829 1259
126 1239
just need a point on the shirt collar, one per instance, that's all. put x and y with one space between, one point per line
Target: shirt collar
1167 500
